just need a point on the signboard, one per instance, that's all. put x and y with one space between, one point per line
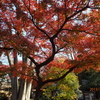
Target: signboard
94 89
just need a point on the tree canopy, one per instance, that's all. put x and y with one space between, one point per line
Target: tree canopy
42 30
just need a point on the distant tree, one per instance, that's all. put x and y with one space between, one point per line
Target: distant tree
67 88
90 79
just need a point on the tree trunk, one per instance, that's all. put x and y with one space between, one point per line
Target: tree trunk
14 80
22 90
14 84
28 90
37 93
25 90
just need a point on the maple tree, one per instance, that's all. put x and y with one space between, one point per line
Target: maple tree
40 31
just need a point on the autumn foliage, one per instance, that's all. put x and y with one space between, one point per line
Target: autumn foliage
44 30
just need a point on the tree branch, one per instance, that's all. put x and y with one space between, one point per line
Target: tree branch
51 57
81 31
68 18
63 76
33 60
32 19
61 48
5 48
